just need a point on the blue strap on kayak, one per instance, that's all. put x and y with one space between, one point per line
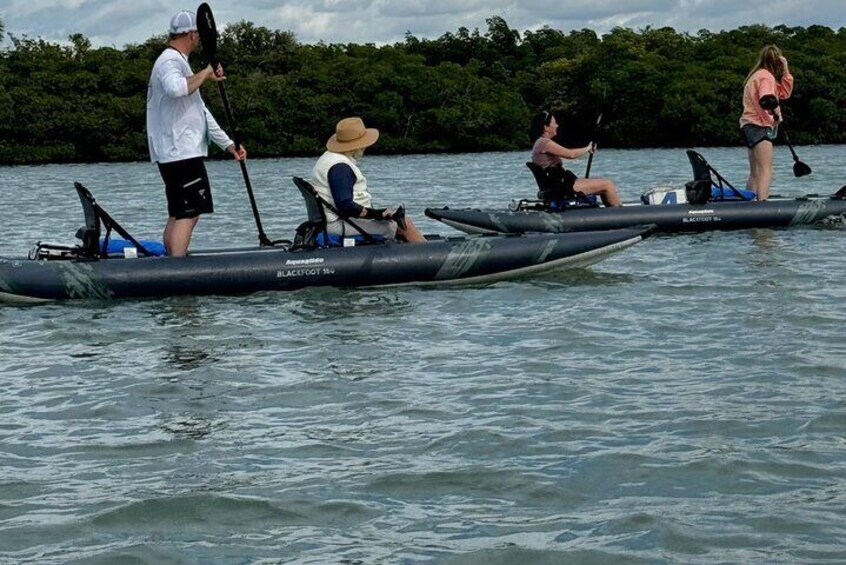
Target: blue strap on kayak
326 240
723 193
115 247
581 201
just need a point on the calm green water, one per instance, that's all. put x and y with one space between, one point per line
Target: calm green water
682 402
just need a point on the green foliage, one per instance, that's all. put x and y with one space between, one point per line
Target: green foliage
464 91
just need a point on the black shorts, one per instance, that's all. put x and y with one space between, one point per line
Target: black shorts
753 135
187 188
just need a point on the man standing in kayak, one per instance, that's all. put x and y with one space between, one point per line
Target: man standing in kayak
179 127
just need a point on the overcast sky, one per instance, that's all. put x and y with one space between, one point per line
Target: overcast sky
118 22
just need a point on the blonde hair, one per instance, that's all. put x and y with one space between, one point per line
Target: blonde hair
769 59
356 154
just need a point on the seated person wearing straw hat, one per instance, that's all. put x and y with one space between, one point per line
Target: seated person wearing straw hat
338 180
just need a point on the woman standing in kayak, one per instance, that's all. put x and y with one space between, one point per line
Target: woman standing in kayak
766 85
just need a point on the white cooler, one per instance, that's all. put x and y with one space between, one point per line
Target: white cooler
664 195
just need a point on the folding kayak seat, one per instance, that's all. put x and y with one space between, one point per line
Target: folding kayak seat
95 219
308 232
705 176
312 233
555 188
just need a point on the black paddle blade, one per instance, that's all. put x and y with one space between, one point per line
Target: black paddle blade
208 32
800 169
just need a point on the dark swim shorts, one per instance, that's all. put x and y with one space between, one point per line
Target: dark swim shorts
753 135
187 188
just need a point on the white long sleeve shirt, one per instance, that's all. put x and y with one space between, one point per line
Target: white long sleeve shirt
179 126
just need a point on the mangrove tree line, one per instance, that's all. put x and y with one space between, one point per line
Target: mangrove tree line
464 91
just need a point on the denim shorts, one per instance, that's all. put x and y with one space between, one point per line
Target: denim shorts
754 134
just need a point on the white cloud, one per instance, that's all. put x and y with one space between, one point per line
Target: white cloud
117 22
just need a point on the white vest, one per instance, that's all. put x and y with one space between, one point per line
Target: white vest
320 182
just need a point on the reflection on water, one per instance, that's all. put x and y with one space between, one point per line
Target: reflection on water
334 305
180 321
580 280
192 427
764 239
179 312
186 357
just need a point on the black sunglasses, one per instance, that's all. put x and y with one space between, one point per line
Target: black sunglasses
547 118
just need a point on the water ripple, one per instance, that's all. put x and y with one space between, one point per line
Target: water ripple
680 402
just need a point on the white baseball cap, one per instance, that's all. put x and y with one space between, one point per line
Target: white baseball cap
183 22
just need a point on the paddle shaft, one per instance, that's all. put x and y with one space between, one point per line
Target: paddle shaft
590 163
236 137
787 141
208 37
593 147
800 169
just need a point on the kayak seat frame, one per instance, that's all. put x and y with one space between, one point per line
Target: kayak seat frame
312 233
550 188
95 219
703 171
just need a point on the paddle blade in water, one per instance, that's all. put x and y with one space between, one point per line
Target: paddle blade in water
800 169
208 32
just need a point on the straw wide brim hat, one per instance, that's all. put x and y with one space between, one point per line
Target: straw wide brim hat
350 134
